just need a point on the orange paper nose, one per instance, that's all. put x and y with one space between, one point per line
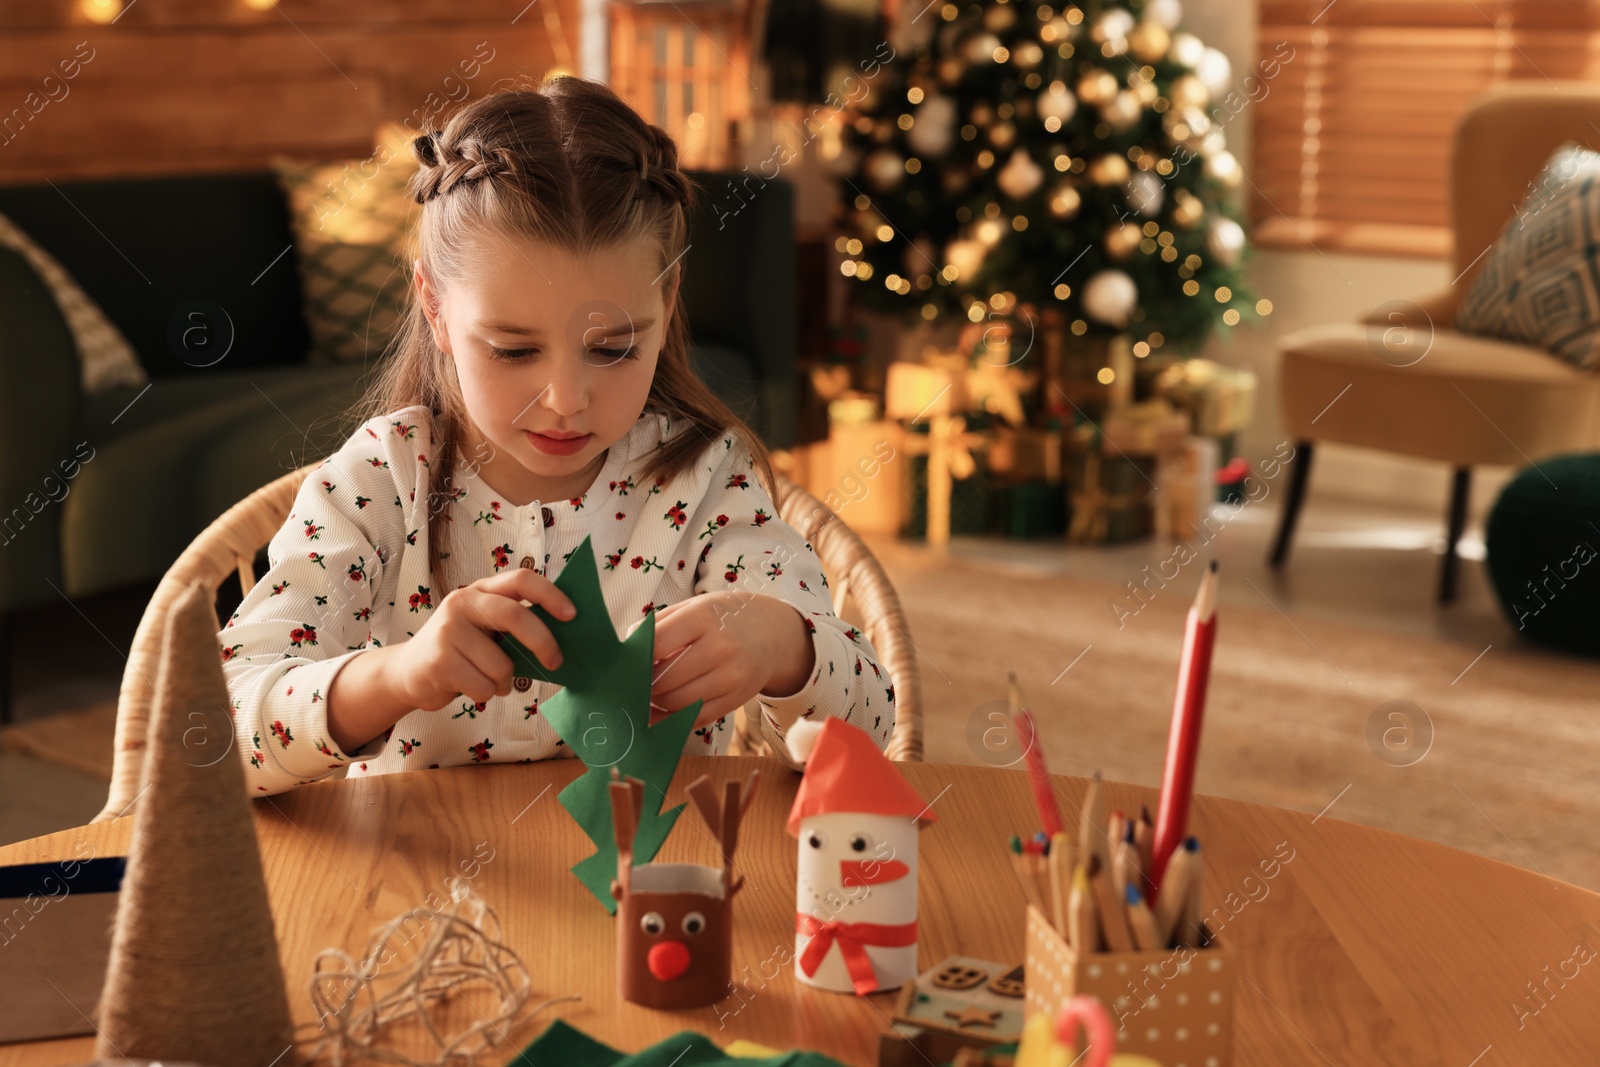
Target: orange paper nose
668 960
871 872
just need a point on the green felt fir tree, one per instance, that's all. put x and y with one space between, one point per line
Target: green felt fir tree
603 713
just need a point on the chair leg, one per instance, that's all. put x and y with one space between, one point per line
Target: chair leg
1460 489
1299 472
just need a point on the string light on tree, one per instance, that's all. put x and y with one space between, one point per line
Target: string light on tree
1008 141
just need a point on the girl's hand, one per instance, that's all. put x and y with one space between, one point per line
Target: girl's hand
723 649
457 652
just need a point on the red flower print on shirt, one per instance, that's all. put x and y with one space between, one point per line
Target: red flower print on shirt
811 627
317 558
853 634
422 598
281 732
480 751
501 555
661 479
407 747
577 502
614 558
734 568
762 518
279 588
405 429
774 570
328 487
229 652
621 488
313 531
492 515
303 635
621 515
378 464
676 515
713 525
738 481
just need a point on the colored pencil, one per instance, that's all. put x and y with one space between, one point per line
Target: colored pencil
1182 883
1142 832
1059 862
1126 863
1081 923
1141 922
1188 714
1044 795
1113 916
1091 826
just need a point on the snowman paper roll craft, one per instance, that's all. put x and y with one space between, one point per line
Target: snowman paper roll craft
857 820
675 920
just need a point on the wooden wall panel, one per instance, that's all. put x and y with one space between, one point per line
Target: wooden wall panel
232 87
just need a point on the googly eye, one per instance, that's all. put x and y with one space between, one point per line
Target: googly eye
693 923
653 924
816 840
859 842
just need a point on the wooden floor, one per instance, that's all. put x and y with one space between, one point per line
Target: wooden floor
1307 662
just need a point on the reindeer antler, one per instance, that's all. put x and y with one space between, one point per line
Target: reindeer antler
627 802
723 817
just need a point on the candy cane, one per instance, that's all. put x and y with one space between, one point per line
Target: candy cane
1090 1015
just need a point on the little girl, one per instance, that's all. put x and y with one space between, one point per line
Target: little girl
539 393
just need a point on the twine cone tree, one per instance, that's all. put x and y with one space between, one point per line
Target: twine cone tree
194 972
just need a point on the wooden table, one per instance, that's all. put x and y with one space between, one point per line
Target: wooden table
1363 947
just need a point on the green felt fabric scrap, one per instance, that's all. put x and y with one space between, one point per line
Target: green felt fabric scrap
603 714
565 1045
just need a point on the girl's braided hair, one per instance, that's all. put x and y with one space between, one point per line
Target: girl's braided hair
570 164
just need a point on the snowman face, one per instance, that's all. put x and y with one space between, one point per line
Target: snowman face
851 861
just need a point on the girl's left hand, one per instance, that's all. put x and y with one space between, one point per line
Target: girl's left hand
723 649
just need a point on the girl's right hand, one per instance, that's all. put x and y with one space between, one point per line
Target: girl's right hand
457 651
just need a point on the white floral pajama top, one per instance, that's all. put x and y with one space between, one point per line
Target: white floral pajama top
348 571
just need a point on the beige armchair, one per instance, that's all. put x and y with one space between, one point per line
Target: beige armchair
1405 381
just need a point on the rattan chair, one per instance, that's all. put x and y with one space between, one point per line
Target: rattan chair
230 544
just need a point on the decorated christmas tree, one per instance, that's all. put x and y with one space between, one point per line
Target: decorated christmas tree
1063 164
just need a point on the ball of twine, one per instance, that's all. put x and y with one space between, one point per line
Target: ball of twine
462 953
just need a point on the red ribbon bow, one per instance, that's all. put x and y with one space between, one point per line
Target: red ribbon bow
852 939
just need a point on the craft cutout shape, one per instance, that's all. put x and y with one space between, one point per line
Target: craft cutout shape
603 715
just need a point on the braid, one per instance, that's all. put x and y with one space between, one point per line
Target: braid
443 167
658 169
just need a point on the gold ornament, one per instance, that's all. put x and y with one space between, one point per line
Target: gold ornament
1121 111
1027 55
1000 18
1123 239
1064 201
1188 210
1098 86
1109 170
1149 41
1189 91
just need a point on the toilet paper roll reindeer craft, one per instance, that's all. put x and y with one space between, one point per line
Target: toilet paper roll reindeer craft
675 920
857 819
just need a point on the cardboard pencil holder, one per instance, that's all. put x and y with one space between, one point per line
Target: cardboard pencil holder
1173 1005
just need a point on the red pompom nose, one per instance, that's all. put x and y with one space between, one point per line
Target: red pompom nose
668 960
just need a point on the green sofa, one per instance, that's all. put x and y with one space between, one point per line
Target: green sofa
100 492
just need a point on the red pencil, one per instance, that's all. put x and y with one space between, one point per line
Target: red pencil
1188 713
1044 794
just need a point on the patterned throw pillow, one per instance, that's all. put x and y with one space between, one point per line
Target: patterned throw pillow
105 357
351 220
1541 282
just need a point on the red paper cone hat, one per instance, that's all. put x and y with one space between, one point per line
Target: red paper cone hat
846 772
